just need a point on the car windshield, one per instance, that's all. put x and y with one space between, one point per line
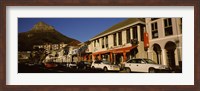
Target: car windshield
149 61
73 63
86 62
106 62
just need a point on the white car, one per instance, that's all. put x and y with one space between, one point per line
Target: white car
105 66
72 65
144 65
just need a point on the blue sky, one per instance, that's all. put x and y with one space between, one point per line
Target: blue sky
81 29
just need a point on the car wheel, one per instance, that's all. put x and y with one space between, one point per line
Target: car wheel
105 69
93 67
84 68
152 70
128 70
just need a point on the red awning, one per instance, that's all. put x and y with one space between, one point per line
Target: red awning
119 50
122 50
101 52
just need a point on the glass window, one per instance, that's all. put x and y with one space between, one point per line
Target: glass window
97 62
153 19
168 26
154 30
165 21
168 31
156 26
106 41
180 25
129 61
142 33
114 39
138 60
102 42
106 62
120 38
133 61
170 21
95 43
149 61
128 36
135 33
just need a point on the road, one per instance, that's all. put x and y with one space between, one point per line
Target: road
23 68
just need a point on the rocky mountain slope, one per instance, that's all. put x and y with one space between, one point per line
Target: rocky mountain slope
42 33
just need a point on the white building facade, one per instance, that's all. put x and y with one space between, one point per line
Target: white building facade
165 39
115 44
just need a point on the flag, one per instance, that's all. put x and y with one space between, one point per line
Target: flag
146 39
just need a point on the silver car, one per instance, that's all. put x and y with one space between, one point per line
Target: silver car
104 65
144 65
72 65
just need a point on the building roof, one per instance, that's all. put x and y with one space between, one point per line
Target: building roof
120 25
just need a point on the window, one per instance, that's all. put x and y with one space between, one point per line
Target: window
168 26
135 33
128 36
102 42
131 61
135 61
154 30
120 38
180 25
149 61
138 60
152 19
97 62
142 33
114 39
106 62
94 43
106 41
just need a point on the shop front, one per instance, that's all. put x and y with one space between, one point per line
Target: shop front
115 56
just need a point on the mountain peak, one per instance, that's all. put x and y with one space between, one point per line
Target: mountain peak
41 23
42 27
42 33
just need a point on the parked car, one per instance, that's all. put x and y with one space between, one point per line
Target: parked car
105 66
50 64
144 65
30 63
72 65
83 65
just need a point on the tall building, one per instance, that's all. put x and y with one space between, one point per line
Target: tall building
120 42
159 39
165 40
